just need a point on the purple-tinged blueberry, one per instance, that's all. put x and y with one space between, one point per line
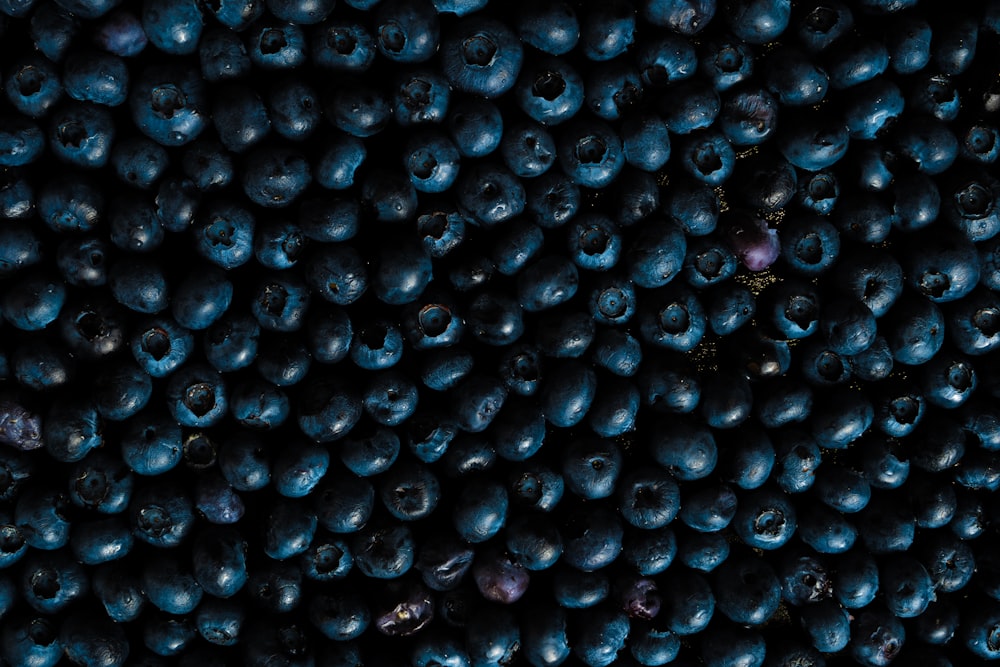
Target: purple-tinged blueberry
753 241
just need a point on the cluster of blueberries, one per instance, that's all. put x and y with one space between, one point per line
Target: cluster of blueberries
457 333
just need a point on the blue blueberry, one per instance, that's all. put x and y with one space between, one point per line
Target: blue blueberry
687 450
481 56
590 153
567 393
91 639
33 86
876 637
550 91
119 591
407 32
168 104
31 641
359 111
612 89
53 29
161 515
747 589
342 45
688 603
432 162
476 127
726 62
217 501
421 97
275 45
758 21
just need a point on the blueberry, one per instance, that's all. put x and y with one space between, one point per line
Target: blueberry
673 319
613 301
476 127
378 345
342 45
21 142
492 637
533 542
546 283
33 87
31 641
707 156
688 603
747 589
161 515
818 192
544 637
274 45
536 487
119 592
552 27
795 80
410 494
592 539
170 587
340 618
564 334
726 62
758 21
876 637
404 271
432 161
407 31
727 401
590 153
17 196
637 197
971 323
220 622
480 511
327 559
601 635
53 29
709 509
927 143
550 91
686 17
443 369
390 398
814 142
939 623
19 427
405 609
823 24
443 231
909 43
703 551
646 140
168 105
481 56
217 501
428 435
649 552
518 245
90 639
728 646
391 196
686 449
443 563
612 89
916 330
752 239
174 27
568 393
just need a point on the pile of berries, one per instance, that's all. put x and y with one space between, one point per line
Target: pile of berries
458 333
